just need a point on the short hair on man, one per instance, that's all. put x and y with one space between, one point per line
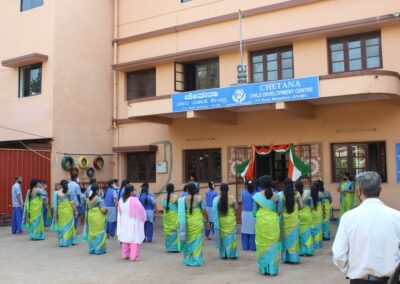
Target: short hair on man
74 176
369 184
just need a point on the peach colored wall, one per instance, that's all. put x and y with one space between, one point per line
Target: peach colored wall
83 82
165 79
146 15
303 50
390 47
281 21
23 33
278 127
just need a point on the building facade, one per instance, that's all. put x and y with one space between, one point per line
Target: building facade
104 78
55 89
166 48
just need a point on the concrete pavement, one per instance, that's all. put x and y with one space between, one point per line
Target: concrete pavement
25 261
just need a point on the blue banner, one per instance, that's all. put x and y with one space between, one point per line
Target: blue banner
398 162
249 94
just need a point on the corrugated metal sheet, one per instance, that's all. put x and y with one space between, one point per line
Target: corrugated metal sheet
26 163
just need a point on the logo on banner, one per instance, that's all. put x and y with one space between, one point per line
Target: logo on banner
239 96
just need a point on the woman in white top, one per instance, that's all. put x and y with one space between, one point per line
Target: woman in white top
130 227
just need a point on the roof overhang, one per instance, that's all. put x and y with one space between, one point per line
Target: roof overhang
24 60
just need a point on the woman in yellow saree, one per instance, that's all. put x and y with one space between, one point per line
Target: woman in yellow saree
170 220
95 227
192 215
266 210
63 217
291 203
348 198
33 211
317 213
224 219
306 240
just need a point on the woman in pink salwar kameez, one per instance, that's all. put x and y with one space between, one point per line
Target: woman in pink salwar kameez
130 224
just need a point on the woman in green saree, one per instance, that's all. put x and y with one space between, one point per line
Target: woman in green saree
317 213
291 203
266 210
170 220
224 219
192 215
348 198
95 227
63 217
326 213
33 211
306 241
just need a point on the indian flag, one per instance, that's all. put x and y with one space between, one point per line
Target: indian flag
297 168
243 169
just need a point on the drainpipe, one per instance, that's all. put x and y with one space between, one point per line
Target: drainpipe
115 129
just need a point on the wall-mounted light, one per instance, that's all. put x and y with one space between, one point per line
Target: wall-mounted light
355 130
200 139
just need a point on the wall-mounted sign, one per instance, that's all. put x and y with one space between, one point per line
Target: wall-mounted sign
398 162
249 94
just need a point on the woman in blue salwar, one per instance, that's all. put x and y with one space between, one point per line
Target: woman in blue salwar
267 210
224 215
192 214
248 219
150 205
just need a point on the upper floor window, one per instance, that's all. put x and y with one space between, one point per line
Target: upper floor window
141 84
30 4
355 53
358 157
30 80
272 65
197 75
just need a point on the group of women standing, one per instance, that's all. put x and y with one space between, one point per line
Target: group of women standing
291 223
186 217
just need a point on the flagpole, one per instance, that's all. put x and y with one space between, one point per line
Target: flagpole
241 68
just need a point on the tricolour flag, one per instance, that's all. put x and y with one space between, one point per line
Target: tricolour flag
242 168
297 168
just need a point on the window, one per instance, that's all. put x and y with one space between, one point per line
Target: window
30 80
205 164
141 166
355 53
272 65
183 1
141 84
30 4
356 158
197 75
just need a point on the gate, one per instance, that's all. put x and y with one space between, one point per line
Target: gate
26 163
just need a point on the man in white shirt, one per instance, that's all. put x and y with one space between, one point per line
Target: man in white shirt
367 243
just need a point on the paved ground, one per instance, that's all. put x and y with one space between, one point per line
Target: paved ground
25 261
